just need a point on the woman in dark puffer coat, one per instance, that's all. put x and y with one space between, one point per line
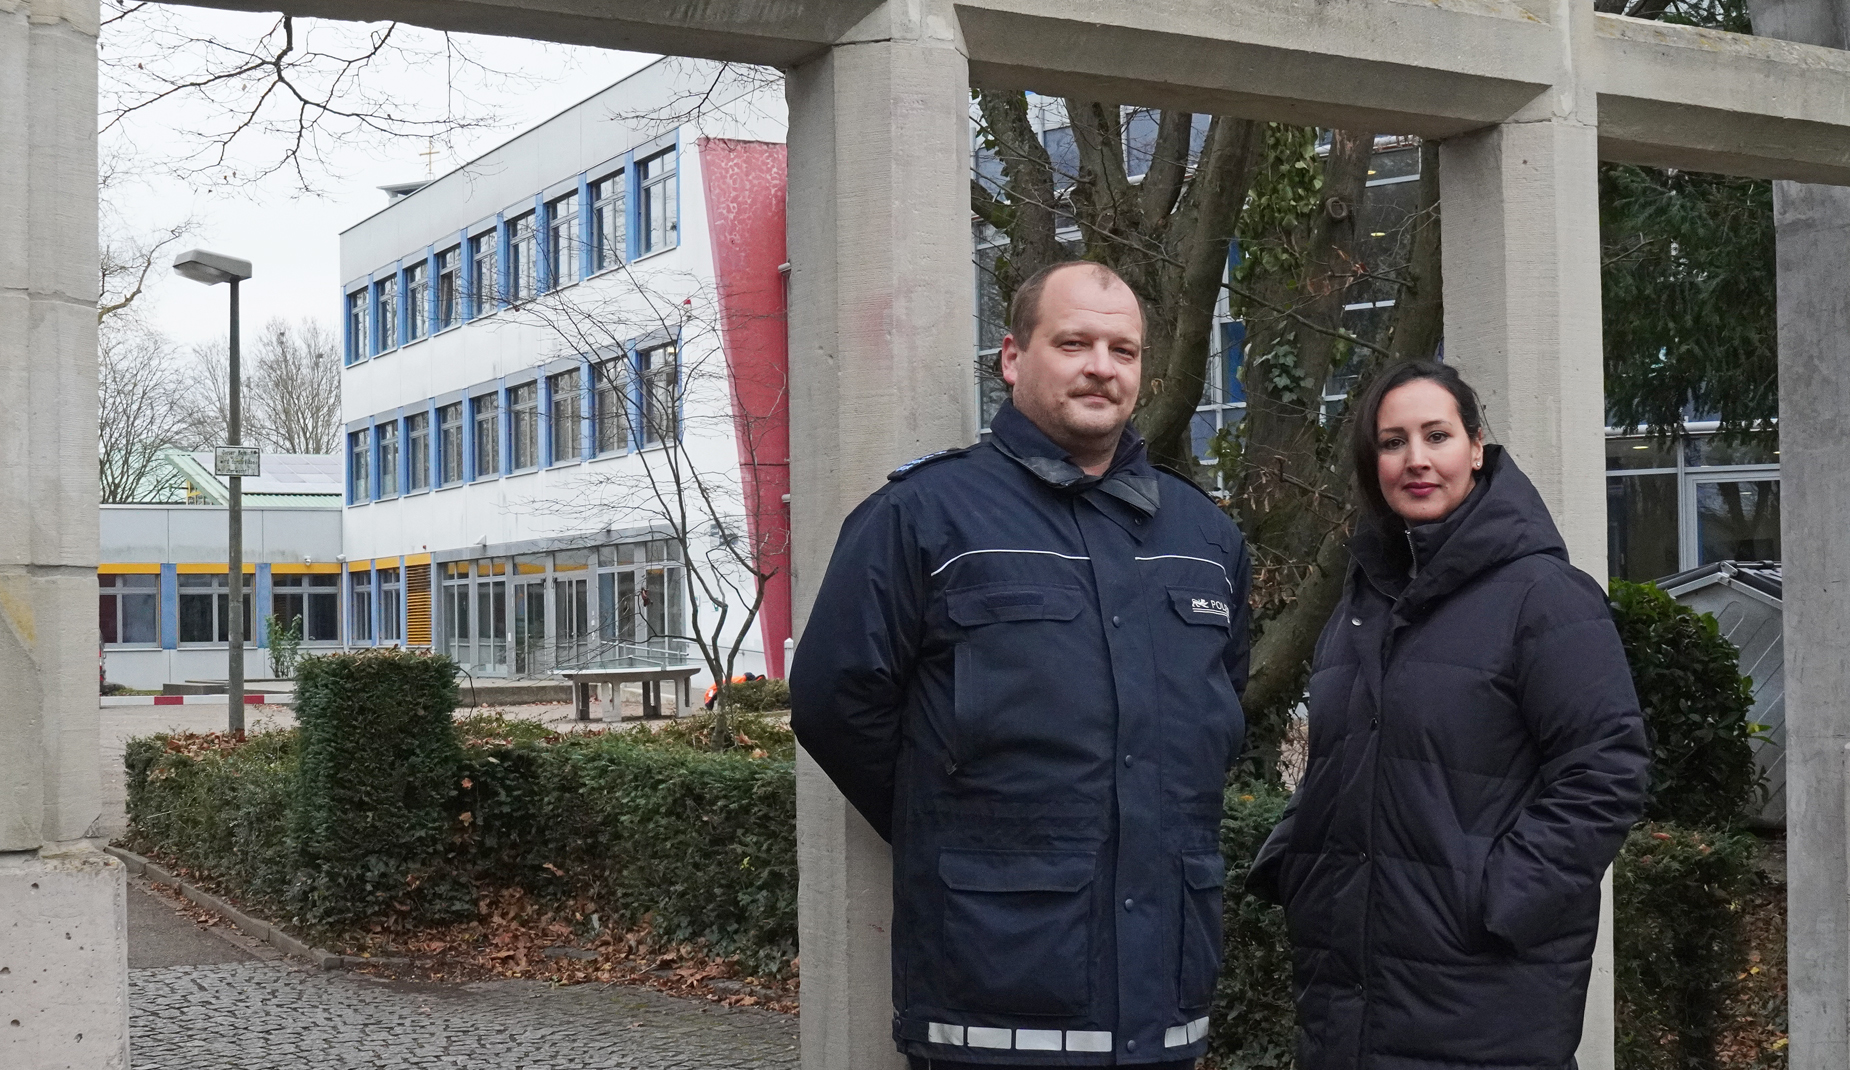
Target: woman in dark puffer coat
1476 759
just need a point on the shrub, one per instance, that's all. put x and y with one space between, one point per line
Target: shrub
701 845
1255 1022
217 805
752 731
376 774
1680 943
1695 704
758 696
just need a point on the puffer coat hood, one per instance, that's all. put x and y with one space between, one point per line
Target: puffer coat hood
1477 757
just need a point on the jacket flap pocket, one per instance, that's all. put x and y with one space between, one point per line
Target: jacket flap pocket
1199 606
1203 871
990 603
1014 871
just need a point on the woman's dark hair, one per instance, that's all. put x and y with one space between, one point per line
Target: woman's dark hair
1363 446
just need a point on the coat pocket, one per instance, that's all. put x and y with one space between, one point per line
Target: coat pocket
1202 877
1017 931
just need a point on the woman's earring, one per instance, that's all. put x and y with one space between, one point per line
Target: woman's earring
1477 464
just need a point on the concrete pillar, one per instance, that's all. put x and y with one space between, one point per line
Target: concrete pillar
63 957
1522 323
1813 225
881 337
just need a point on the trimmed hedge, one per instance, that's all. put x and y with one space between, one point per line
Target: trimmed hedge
700 844
702 847
1679 942
376 771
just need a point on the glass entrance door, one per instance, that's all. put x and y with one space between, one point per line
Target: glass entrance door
529 626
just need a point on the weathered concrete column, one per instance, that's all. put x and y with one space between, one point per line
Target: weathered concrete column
1522 323
881 370
1813 225
63 958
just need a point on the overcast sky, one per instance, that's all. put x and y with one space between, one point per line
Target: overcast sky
292 240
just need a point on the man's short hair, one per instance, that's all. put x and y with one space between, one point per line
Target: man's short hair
1025 309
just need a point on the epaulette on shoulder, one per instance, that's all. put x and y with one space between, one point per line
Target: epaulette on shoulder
1184 477
917 463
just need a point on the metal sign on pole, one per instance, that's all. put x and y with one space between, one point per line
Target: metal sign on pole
244 461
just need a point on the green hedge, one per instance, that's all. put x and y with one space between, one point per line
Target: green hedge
1696 707
1679 942
376 773
702 846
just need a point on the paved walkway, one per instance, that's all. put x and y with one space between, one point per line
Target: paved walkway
202 1000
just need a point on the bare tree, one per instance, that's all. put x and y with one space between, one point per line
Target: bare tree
294 393
205 402
139 414
659 337
274 94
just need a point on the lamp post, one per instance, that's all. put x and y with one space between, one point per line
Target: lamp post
212 269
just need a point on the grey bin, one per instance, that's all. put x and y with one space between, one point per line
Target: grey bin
1746 599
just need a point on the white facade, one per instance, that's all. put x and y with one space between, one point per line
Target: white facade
534 364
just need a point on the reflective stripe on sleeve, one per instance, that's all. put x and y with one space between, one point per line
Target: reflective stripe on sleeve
982 1036
1037 1040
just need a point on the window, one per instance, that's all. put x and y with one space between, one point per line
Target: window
562 426
385 293
659 394
205 608
446 288
387 433
450 444
562 240
359 485
360 606
128 608
314 599
487 436
522 266
359 341
417 300
640 596
612 402
391 606
417 448
1672 506
523 409
482 281
658 220
609 222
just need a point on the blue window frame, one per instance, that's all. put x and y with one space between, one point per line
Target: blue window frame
446 301
658 221
359 336
486 411
417 301
483 272
359 466
562 241
609 221
385 313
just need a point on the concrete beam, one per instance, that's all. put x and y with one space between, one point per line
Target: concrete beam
1704 100
1670 96
1433 69
881 335
776 33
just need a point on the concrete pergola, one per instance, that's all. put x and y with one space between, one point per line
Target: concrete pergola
1525 95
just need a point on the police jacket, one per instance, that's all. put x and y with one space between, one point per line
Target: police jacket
1476 759
1027 679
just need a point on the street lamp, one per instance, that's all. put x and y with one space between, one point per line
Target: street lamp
212 269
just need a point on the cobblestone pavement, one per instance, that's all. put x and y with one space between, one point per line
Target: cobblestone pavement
264 1015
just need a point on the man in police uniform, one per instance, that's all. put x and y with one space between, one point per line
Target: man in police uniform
1024 668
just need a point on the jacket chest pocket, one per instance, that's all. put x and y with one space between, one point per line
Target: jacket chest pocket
1200 707
1017 931
1018 668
